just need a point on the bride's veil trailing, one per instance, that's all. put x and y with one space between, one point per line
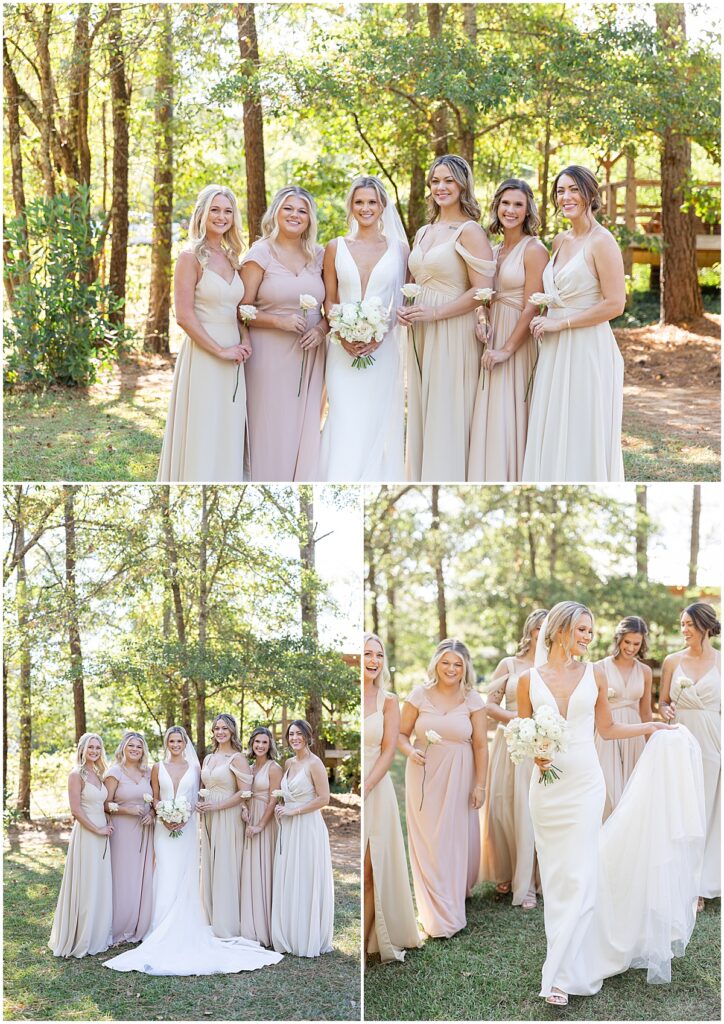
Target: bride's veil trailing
541 650
190 755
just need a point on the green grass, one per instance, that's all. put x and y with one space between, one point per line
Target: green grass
39 986
651 456
491 971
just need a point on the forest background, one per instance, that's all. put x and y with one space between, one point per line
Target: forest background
117 114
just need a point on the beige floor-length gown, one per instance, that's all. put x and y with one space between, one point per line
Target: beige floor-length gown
303 890
444 834
257 865
131 847
284 419
698 707
574 430
441 393
222 846
618 757
84 914
507 840
500 417
395 929
205 438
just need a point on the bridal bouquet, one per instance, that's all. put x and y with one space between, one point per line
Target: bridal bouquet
174 812
541 736
359 323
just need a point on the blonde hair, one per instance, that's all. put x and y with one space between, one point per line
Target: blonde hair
230 723
460 170
384 677
174 728
366 181
80 754
270 220
534 619
562 618
450 646
120 754
231 241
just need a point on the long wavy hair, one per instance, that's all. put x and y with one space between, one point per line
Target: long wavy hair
270 220
272 753
120 754
534 619
630 624
365 181
562 619
230 722
231 241
460 170
383 677
80 756
181 731
531 224
450 646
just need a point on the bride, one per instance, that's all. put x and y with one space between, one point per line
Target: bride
180 940
622 895
362 437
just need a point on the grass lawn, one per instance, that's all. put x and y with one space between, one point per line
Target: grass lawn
38 986
491 971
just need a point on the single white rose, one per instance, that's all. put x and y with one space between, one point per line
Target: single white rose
247 313
411 291
278 793
147 798
483 294
541 299
203 793
246 795
611 693
113 807
433 737
307 302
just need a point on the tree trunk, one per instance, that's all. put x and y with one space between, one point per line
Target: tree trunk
24 693
416 212
642 533
440 131
200 683
78 88
545 172
629 206
253 119
119 204
372 587
391 644
47 99
308 601
694 541
12 110
159 297
437 563
71 612
680 293
5 732
174 583
467 131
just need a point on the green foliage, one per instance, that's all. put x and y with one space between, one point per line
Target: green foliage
61 330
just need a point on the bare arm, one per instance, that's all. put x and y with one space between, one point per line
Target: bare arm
329 276
605 724
666 706
525 708
390 732
645 713
408 717
479 722
535 260
75 789
155 787
186 277
496 693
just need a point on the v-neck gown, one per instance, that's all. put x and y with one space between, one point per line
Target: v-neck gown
131 847
623 894
362 438
574 430
222 845
205 437
698 707
618 757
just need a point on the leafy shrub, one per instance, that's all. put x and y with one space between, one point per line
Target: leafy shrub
60 328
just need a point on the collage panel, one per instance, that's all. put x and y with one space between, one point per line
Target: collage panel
182 756
541 757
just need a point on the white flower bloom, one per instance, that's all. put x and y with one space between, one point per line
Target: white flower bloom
247 313
483 294
541 299
112 807
433 737
411 291
307 302
611 693
246 794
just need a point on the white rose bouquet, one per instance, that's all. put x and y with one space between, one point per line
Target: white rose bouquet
359 323
541 736
410 292
542 300
432 737
174 812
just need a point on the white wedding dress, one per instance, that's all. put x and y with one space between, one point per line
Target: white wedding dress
180 941
363 435
623 894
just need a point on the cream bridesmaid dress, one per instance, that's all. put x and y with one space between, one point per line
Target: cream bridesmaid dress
507 840
698 707
303 889
222 846
131 848
574 431
284 417
500 416
205 438
618 757
84 915
623 894
441 393
257 864
395 929
444 834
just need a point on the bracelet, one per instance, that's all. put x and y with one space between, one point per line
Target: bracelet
569 323
476 788
434 315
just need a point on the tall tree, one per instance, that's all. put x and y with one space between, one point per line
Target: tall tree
437 561
12 111
120 107
24 689
694 536
308 602
159 294
440 127
72 615
642 533
253 118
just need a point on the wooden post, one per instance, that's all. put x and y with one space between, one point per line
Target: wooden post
630 206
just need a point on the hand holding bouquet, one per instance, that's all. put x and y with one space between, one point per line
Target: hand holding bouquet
410 292
174 812
359 324
541 736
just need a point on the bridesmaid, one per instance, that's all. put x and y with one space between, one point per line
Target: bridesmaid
83 919
226 776
286 375
691 694
128 784
630 680
574 431
444 787
206 424
500 416
257 865
507 840
451 257
303 888
389 915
